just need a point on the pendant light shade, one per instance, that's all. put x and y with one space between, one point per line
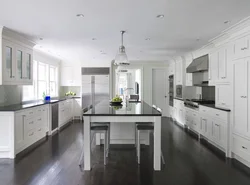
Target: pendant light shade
121 57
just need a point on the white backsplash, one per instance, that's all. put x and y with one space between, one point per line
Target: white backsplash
75 89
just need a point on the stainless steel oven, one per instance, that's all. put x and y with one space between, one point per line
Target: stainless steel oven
179 91
171 90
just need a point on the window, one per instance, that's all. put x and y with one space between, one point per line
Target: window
45 80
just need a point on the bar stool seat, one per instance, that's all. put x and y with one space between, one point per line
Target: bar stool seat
99 128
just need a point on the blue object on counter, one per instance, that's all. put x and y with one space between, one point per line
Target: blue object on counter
121 91
47 98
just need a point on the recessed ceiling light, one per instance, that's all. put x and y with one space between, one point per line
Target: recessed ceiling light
41 38
79 15
140 51
160 16
103 53
93 38
226 22
198 39
147 39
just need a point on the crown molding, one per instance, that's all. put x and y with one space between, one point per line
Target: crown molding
17 37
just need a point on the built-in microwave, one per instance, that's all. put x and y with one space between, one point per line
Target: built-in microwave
179 91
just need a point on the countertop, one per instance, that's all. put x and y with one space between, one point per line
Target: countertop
130 109
179 98
30 104
214 107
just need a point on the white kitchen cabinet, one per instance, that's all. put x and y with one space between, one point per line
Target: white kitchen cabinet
171 68
179 109
65 111
213 74
219 65
241 73
223 96
179 72
241 47
189 76
19 131
218 132
16 62
70 75
241 147
77 108
30 125
204 125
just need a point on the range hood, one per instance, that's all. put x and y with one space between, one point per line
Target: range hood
198 65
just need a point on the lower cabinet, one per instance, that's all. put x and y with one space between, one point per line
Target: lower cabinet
65 111
30 126
211 124
179 111
241 147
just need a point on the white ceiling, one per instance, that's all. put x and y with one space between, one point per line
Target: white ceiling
70 36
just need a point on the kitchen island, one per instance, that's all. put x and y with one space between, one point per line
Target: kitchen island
127 113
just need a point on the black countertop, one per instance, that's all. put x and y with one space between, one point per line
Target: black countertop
179 98
129 109
30 104
214 107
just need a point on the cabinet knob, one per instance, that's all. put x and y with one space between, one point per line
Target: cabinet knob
217 114
217 125
244 147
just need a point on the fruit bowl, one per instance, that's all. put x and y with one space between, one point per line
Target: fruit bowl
115 103
116 100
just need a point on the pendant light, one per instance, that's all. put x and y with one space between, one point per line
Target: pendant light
121 58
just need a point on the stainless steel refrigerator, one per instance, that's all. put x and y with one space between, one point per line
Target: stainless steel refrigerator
95 87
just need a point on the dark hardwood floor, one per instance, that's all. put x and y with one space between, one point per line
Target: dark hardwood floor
188 162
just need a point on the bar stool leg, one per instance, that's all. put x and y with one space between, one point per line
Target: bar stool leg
105 147
135 136
162 158
138 147
108 145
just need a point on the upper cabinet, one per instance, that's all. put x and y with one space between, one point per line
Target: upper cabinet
171 68
179 72
70 75
17 59
219 65
241 47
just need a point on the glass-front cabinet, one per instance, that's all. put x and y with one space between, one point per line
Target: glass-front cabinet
8 61
16 64
19 64
28 66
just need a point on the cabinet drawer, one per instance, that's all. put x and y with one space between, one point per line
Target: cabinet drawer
204 110
241 147
29 124
219 114
30 113
30 135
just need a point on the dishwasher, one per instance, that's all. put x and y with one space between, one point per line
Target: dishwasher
54 116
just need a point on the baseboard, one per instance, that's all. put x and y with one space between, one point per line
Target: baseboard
241 160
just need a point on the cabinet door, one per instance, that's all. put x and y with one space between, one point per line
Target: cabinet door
218 132
241 46
240 122
9 65
204 126
19 131
222 55
223 96
28 67
213 68
66 76
20 75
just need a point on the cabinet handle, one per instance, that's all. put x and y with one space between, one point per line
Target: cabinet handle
242 49
204 110
31 122
40 129
39 119
204 119
244 147
31 134
194 114
222 103
217 125
31 113
217 114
